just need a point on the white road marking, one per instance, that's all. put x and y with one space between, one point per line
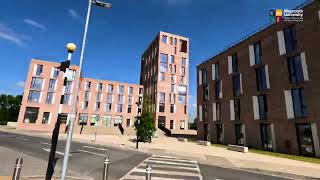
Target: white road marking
174 167
22 138
45 143
57 152
176 160
170 157
171 163
91 147
92 153
169 172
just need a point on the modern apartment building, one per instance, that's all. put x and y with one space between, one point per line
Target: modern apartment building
165 77
101 103
264 91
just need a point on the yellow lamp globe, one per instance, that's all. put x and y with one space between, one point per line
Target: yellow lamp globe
71 47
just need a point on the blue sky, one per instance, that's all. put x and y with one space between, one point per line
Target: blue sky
118 36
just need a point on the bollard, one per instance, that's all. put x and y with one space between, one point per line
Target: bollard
148 172
17 169
106 168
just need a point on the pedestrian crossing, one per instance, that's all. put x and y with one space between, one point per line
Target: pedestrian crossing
165 168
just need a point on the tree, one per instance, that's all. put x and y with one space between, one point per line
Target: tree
9 108
145 127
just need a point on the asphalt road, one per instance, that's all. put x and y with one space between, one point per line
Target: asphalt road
87 160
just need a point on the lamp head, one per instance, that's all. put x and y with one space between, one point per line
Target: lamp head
71 47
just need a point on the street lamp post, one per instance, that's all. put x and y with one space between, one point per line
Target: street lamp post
77 79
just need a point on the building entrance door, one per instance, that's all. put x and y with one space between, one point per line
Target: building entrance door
161 121
305 141
206 133
219 134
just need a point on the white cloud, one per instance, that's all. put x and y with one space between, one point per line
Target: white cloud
8 34
73 13
20 84
194 105
35 24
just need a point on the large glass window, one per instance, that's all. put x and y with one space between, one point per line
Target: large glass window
218 111
129 109
34 96
290 39
110 88
219 133
87 85
49 99
45 118
52 84
257 53
109 98
120 99
236 85
206 92
305 140
55 73
83 119
120 89
162 76
239 134
261 79
295 69
163 62
94 120
217 71
85 105
130 90
99 87
217 88
99 97
237 109
171 124
234 63
107 120
299 104
86 96
266 137
204 76
171 108
263 106
172 59
31 115
117 120
130 100
66 99
119 108
39 69
164 39
108 107
68 88
183 61
36 83
183 46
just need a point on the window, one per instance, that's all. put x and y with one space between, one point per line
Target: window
94 120
110 88
49 99
206 92
218 89
99 97
183 46
31 115
162 97
99 87
108 107
130 100
261 79
173 78
68 88
129 109
55 72
305 140
183 61
257 53
171 40
65 99
162 76
172 59
97 106
109 98
263 106
171 124
204 76
295 69
236 79
120 99
299 104
87 96
239 134
183 71
39 69
107 120
172 98
182 124
163 62
182 99
36 83
161 107
128 124
85 105
87 86
171 108
164 39
140 90
173 88
52 84
83 119
175 41
119 108
266 137
45 118
130 90
185 109
219 128
215 71
234 63
34 96
117 120
120 89
290 39
237 109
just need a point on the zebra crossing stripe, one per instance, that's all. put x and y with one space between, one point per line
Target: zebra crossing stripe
173 167
172 163
173 160
168 172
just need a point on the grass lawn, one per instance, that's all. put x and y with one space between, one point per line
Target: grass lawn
274 154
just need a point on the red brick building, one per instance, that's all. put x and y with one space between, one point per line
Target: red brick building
264 91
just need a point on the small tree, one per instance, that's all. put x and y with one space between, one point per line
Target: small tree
145 127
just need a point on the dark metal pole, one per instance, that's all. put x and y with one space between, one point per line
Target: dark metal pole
17 169
148 172
106 168
54 141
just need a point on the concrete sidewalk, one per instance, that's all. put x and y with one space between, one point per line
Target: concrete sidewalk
204 154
